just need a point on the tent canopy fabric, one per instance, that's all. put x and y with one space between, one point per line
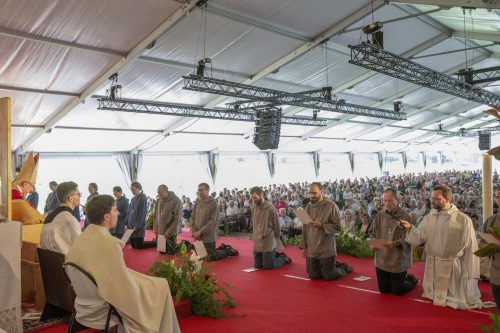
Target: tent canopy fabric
56 55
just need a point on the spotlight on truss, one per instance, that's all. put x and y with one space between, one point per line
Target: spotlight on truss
200 69
398 106
114 92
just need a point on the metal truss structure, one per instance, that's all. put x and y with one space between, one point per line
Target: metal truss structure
463 132
195 112
254 98
376 59
476 76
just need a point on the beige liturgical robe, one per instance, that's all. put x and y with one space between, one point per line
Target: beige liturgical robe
143 301
451 268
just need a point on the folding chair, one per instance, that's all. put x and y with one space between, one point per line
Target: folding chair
90 309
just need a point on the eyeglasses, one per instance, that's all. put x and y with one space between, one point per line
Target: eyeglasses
77 193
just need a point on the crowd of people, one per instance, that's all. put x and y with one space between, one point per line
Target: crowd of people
359 200
440 210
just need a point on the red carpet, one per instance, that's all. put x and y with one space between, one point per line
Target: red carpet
282 300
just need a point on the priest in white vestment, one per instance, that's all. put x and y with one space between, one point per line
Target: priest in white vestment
451 268
144 302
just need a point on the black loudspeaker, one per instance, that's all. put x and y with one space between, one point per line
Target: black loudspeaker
267 129
484 140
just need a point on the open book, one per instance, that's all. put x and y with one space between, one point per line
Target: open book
127 235
377 243
161 243
302 215
200 249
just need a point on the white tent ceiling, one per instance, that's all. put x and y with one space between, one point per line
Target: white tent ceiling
56 56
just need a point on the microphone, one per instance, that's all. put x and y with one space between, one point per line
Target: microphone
394 217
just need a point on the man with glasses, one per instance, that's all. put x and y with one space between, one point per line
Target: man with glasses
494 222
318 237
451 268
205 222
61 228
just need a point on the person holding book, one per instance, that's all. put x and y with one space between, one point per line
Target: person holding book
393 258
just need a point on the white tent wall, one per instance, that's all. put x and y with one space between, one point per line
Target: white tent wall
181 173
239 171
415 162
366 165
292 168
393 164
334 166
102 170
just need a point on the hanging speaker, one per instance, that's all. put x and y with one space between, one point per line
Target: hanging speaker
484 140
267 129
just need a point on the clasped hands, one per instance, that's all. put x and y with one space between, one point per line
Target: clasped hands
315 223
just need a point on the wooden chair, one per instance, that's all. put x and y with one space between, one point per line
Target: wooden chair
59 296
87 299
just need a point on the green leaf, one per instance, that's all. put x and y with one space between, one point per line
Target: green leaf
496 231
487 250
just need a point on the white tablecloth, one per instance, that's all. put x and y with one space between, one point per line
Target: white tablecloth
10 277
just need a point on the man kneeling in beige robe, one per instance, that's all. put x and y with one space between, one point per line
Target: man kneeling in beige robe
144 302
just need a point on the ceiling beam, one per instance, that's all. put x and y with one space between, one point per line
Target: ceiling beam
355 16
59 42
168 23
447 4
477 36
38 91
